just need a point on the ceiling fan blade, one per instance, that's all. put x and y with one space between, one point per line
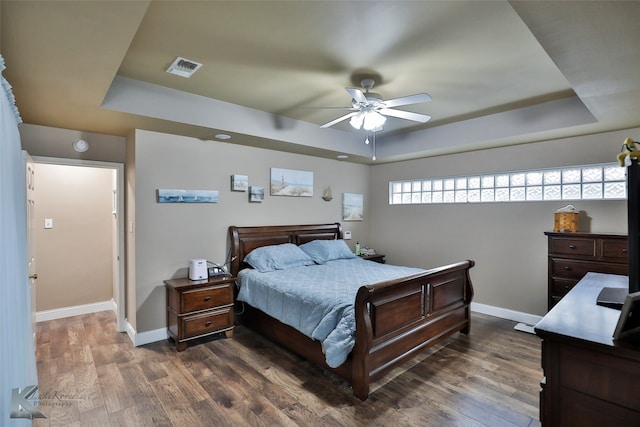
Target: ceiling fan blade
356 94
407 100
407 115
339 119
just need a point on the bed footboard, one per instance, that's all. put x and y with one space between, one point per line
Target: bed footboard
397 319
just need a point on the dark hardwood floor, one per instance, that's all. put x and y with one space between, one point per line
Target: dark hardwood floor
91 375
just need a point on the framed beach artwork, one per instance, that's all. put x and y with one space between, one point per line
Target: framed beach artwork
256 194
239 182
187 196
352 207
290 182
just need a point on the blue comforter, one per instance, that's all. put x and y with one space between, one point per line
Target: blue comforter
317 300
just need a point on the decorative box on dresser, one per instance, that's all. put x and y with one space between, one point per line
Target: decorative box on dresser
198 308
589 380
572 255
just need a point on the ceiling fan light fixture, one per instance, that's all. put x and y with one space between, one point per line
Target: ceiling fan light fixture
356 121
373 121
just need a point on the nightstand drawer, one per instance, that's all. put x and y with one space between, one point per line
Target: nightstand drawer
204 298
573 247
207 322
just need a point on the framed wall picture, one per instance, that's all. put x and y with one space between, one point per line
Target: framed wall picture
256 194
352 207
291 182
239 182
187 196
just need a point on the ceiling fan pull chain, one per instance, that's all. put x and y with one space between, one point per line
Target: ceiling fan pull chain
374 147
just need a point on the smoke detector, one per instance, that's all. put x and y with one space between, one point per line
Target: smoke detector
183 67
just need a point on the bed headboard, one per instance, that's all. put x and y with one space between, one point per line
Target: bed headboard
245 239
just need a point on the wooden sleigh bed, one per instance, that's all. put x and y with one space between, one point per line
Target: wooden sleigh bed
395 320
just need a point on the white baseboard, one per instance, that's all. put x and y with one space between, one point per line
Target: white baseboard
76 310
142 338
505 313
147 337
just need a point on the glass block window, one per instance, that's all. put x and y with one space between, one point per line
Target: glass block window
588 182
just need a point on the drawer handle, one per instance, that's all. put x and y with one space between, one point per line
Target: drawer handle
567 268
567 287
207 298
572 247
208 323
624 251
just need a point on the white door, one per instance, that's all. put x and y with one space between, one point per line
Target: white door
31 244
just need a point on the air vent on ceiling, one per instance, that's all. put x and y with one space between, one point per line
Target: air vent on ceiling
183 67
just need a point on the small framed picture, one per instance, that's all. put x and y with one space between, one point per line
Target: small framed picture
239 182
256 194
352 207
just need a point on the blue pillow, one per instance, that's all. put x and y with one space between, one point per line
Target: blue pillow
322 251
277 257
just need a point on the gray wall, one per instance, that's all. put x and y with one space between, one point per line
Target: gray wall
505 239
75 257
46 141
168 235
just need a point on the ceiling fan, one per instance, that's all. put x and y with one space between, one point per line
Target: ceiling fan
368 109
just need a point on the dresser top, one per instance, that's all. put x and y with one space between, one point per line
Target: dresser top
584 234
578 317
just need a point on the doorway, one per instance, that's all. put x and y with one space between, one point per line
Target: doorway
85 243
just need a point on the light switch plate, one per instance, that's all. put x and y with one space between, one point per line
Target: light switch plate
48 223
347 235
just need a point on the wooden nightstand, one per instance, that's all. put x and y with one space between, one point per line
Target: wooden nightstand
198 308
376 258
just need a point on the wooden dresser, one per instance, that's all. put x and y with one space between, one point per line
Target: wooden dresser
198 308
589 380
572 255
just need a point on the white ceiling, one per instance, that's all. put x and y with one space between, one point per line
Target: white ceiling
499 72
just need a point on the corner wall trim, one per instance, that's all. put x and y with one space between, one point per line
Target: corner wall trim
505 313
76 310
147 337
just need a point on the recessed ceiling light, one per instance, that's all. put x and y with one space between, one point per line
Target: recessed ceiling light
80 145
342 156
222 136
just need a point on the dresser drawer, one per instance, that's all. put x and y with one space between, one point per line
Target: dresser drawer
572 246
576 269
570 268
204 298
205 323
560 287
615 249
